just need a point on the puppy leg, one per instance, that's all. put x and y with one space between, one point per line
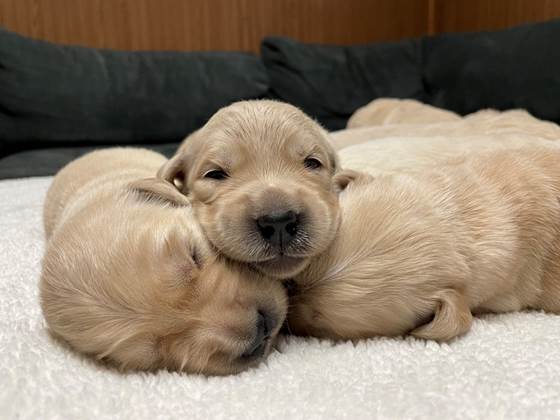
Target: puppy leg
550 297
452 318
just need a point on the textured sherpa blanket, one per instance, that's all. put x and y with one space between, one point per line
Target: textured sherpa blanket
508 366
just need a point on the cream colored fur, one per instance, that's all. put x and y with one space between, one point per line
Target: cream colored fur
252 160
460 217
394 155
422 252
389 111
430 123
129 277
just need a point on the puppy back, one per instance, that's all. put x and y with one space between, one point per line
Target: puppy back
95 171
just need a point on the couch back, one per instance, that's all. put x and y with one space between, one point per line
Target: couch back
56 97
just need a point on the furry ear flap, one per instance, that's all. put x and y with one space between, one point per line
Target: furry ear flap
331 153
160 190
173 171
452 318
344 177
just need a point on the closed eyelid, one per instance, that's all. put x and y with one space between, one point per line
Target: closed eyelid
195 255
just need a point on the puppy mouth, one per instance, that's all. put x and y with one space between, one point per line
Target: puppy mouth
256 353
266 332
270 254
279 262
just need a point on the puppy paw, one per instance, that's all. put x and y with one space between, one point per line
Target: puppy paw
452 318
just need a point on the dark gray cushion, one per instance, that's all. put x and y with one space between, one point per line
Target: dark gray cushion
42 162
331 82
53 95
512 68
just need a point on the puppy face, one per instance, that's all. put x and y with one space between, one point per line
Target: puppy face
259 175
149 293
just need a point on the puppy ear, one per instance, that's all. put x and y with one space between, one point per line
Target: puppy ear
333 157
160 190
173 171
334 161
344 177
452 318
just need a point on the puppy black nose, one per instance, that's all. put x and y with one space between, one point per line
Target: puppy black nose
264 327
278 229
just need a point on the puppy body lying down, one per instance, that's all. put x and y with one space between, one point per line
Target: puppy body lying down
395 155
129 277
422 252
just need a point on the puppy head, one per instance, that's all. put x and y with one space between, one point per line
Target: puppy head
260 177
146 292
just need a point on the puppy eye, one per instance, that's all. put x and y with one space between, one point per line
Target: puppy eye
196 258
312 163
216 174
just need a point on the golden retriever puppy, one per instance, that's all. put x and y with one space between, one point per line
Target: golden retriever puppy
259 175
129 277
482 123
403 154
386 111
421 252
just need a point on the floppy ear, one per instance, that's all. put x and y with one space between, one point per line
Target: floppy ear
173 171
160 190
344 177
333 155
452 318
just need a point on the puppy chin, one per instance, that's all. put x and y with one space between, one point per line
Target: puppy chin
282 267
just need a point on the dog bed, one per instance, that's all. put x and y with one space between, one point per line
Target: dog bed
508 366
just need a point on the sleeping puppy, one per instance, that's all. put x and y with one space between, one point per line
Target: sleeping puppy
421 252
129 277
259 175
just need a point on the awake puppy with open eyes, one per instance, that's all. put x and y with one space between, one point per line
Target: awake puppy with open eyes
129 277
260 177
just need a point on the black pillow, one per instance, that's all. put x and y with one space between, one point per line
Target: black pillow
331 82
513 68
53 95
42 162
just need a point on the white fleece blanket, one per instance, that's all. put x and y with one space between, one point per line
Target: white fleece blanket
507 367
